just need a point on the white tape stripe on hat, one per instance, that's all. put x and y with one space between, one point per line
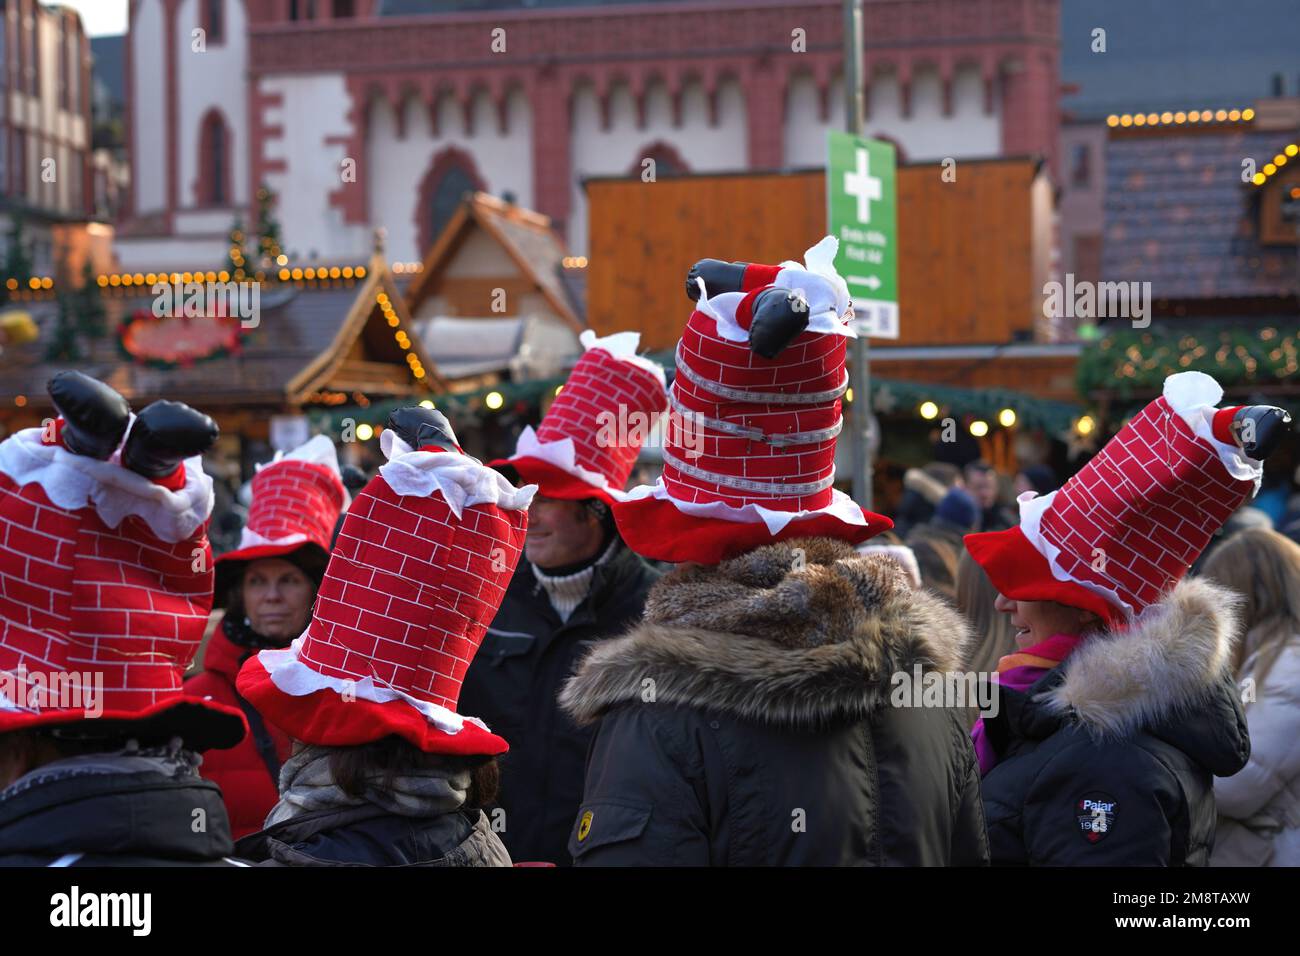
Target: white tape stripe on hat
776 439
765 398
748 484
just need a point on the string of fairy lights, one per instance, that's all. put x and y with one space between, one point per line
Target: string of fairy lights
41 288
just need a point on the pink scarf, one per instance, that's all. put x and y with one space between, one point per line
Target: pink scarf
1019 671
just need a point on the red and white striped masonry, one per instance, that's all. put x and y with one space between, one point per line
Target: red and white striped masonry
587 444
418 572
1124 530
106 580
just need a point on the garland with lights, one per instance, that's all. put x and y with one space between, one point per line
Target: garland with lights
888 396
1131 365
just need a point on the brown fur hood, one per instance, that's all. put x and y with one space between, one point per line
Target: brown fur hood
931 489
795 634
1163 664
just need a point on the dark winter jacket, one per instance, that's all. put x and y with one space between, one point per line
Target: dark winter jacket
371 836
72 815
1109 758
525 657
247 773
749 721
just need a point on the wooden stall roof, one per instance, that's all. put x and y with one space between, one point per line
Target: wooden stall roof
966 248
308 332
527 238
363 352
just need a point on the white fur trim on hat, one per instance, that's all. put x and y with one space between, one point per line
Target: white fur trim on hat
563 456
842 507
76 481
1032 508
826 291
623 346
1194 396
318 450
248 538
298 679
463 481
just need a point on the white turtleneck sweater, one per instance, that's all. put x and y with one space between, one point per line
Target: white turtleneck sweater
567 591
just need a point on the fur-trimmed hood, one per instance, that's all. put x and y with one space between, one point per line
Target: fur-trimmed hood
1162 665
931 489
798 633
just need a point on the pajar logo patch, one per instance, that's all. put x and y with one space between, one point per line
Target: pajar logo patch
1096 815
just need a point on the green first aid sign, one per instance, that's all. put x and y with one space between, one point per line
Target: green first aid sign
862 206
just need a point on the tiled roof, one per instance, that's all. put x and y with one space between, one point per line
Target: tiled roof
1179 216
575 284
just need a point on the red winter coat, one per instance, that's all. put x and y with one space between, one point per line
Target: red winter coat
249 789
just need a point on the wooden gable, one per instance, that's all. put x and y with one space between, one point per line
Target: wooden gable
367 354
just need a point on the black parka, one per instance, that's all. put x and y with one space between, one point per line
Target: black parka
73 814
752 721
512 684
1109 758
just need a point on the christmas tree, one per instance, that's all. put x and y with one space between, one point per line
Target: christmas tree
235 254
63 345
18 261
268 228
89 304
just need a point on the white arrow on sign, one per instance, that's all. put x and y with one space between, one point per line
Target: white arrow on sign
871 282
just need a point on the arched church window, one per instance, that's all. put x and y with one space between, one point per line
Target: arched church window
666 161
213 186
452 174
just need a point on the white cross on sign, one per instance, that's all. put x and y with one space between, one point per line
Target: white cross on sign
862 185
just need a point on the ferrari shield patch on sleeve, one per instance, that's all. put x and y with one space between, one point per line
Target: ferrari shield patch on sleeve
1096 813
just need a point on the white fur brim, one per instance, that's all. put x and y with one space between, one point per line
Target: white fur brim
461 480
842 507
1194 396
75 481
297 679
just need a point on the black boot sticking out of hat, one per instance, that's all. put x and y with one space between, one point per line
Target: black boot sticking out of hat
718 277
423 427
164 435
1258 429
94 416
779 316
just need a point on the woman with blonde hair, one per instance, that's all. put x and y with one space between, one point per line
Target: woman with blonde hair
1259 808
994 636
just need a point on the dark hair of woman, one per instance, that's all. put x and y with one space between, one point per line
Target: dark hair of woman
392 756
